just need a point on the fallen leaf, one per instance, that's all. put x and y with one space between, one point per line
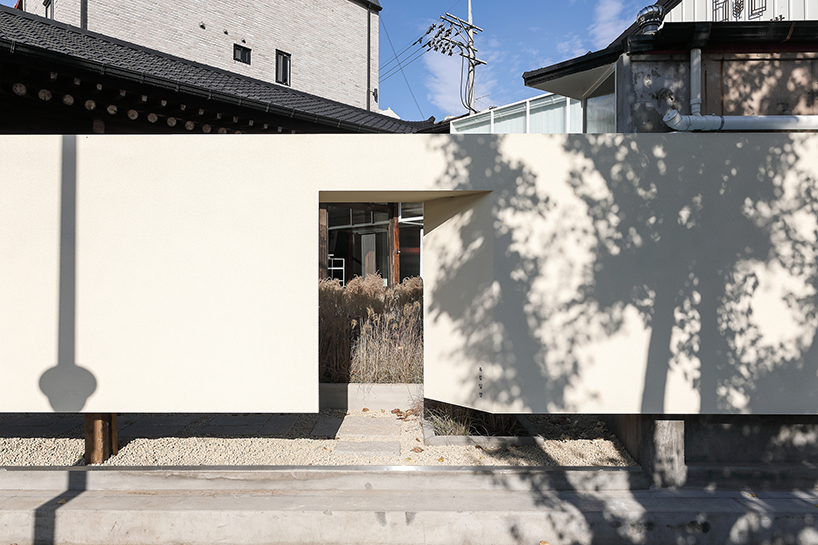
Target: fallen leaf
63 501
440 459
417 439
478 447
544 543
417 449
408 459
395 411
753 495
364 410
383 410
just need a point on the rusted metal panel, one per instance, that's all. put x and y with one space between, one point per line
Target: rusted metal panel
394 245
100 437
323 236
754 85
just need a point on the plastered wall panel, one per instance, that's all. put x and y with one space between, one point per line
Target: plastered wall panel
562 273
183 268
29 270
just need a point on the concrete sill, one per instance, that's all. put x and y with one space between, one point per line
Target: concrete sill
354 397
486 441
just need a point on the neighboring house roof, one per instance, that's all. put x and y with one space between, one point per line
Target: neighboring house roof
667 5
35 40
374 4
577 76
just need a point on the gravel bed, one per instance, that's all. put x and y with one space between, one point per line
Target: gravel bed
568 441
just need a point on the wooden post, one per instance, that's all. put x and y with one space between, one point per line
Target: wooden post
323 242
393 237
101 441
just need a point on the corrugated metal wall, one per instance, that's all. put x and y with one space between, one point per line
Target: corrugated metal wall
753 10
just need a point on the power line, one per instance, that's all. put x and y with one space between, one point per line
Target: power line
393 59
417 40
401 67
395 69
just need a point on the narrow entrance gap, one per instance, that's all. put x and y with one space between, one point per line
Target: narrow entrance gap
373 333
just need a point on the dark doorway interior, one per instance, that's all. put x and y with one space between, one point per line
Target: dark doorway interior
360 239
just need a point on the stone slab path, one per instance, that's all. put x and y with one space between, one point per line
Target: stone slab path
361 436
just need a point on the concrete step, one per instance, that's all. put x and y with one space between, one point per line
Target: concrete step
777 476
349 478
395 517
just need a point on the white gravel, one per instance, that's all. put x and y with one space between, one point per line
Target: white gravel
577 441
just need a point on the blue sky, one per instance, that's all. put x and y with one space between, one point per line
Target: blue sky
518 35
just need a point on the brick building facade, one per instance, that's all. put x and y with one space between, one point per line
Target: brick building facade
327 48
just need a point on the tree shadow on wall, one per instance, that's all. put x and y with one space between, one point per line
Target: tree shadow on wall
488 319
709 240
715 246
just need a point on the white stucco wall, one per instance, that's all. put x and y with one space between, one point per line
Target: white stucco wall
564 273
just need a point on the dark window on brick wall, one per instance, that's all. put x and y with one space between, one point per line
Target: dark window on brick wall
241 53
283 67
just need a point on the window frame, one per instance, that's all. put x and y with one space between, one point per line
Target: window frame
240 52
284 73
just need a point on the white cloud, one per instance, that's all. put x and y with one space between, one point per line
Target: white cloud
443 83
610 20
572 47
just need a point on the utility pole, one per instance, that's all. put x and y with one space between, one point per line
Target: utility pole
454 34
472 57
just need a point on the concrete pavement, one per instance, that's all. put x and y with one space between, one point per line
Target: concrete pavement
297 505
389 505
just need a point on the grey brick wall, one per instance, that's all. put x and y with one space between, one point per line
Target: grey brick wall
327 39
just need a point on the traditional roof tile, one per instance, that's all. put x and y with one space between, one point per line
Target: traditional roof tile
40 38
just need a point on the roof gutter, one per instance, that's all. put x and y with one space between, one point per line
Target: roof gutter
712 123
162 82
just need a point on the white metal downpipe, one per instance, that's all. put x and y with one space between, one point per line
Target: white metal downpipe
698 122
696 82
676 121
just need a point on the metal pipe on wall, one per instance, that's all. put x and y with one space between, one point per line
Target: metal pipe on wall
698 122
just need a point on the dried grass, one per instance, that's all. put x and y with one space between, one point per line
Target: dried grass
448 419
371 333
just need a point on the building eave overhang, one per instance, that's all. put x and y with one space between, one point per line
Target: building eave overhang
259 96
576 77
126 74
374 5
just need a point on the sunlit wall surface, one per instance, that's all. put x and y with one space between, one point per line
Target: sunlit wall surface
653 273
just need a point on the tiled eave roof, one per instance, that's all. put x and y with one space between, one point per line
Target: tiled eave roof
37 39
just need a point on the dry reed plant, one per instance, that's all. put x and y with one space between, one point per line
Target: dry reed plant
370 333
448 419
389 348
